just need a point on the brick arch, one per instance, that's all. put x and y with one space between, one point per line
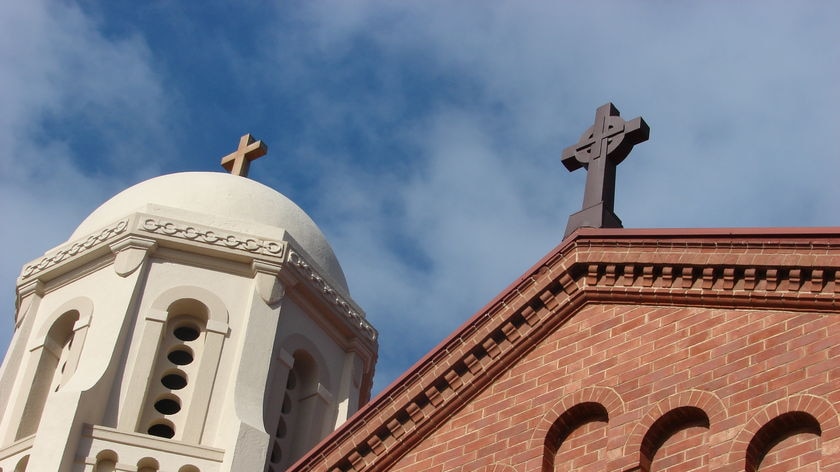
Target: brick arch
681 403
605 397
816 407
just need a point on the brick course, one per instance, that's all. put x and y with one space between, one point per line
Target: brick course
627 350
766 350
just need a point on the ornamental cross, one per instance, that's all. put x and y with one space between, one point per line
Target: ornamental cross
238 161
600 149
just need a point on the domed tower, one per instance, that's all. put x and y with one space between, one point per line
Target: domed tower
194 322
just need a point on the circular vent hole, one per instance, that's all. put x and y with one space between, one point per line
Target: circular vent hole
287 405
291 382
186 333
180 357
167 406
281 428
276 453
174 381
162 431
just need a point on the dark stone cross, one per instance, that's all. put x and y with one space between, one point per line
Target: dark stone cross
600 149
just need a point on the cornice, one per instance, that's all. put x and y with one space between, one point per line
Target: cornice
210 237
344 306
168 232
74 249
790 273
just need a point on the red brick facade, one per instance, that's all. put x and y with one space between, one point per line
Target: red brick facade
627 351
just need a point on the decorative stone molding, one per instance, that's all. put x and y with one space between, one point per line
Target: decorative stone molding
268 286
207 236
133 248
702 272
107 435
130 253
74 249
311 274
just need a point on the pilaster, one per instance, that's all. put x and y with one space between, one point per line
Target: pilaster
248 439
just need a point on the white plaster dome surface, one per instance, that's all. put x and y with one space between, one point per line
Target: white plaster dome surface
224 201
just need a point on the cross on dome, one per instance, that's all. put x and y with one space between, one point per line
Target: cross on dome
238 161
600 149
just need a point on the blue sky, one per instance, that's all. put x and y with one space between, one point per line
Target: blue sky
424 137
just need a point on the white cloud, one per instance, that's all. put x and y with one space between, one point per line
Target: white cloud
76 107
430 132
736 95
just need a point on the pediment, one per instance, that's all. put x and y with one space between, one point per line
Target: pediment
792 270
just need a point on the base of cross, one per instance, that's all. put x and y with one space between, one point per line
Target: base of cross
596 216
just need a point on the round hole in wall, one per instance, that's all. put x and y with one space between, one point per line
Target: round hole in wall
276 453
181 355
291 382
186 333
281 428
161 430
168 406
174 381
287 405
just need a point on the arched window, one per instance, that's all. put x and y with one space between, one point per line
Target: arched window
106 461
301 416
673 434
579 425
22 464
171 386
787 441
58 356
147 464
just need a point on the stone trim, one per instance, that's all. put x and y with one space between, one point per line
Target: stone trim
17 447
284 251
207 236
75 249
152 443
345 307
751 274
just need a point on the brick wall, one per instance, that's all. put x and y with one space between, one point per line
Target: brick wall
621 388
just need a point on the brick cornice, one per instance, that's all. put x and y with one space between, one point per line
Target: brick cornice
749 269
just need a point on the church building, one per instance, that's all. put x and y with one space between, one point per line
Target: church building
195 322
201 322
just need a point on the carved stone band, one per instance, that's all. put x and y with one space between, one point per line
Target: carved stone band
258 246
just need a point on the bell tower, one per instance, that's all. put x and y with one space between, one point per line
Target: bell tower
194 322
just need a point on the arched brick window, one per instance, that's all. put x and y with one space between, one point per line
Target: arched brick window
567 439
780 442
673 435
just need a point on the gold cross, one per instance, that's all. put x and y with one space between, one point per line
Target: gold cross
238 161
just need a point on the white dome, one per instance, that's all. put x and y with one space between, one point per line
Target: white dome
226 201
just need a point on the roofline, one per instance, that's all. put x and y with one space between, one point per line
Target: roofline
579 238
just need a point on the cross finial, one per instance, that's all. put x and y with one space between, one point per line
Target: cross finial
600 149
238 161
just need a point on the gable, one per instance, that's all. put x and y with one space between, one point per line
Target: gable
620 386
641 319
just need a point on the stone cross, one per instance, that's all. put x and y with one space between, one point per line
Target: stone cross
238 161
600 149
